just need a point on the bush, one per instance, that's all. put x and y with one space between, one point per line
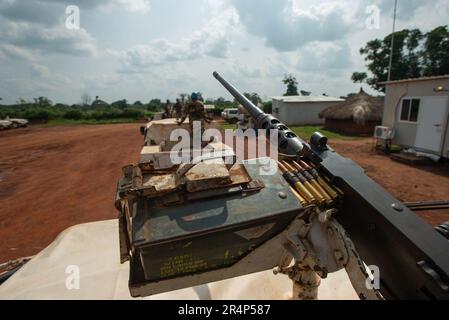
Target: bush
106 114
34 112
73 114
268 107
132 113
40 114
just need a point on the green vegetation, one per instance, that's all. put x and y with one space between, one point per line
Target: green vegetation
268 107
292 85
415 54
305 132
67 122
221 104
253 97
227 126
42 110
396 148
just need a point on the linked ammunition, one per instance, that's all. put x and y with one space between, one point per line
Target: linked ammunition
313 181
296 183
318 178
305 181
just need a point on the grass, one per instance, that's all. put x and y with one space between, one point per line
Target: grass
305 132
67 122
226 126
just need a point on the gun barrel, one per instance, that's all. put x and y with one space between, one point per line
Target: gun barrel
288 142
244 101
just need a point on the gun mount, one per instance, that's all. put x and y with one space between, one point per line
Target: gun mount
412 257
189 224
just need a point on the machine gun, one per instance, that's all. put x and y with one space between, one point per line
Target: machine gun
413 259
182 225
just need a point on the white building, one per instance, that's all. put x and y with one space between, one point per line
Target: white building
300 110
418 111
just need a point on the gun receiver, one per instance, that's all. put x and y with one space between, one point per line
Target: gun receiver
413 259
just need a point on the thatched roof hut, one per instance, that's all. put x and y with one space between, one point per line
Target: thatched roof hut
359 114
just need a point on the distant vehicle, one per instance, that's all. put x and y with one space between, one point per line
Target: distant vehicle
18 123
13 123
231 115
5 124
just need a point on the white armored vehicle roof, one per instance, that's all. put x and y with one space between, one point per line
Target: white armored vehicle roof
91 251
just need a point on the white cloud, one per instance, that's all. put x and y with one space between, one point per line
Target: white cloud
325 56
19 54
54 39
139 6
142 6
29 11
212 41
253 43
40 26
286 26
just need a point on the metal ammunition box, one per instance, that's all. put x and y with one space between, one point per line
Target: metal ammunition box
210 233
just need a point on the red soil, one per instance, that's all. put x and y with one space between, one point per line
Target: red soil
54 178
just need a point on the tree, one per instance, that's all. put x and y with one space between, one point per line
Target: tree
292 85
155 105
414 55
253 97
405 58
268 107
21 101
436 52
359 77
43 102
219 101
86 99
61 106
121 104
222 103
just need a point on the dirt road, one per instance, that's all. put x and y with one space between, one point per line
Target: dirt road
405 182
54 178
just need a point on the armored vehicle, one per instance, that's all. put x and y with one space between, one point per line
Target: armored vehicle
184 224
191 223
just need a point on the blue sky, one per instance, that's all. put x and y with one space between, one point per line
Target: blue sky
142 49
